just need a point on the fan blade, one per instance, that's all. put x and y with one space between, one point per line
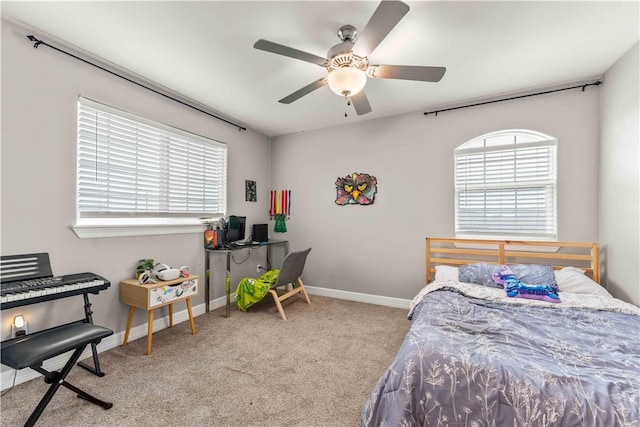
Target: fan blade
289 51
407 72
304 91
386 16
361 103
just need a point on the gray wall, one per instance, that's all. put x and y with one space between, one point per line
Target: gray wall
376 250
380 249
39 91
620 178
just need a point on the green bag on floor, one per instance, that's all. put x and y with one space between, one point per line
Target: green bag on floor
250 290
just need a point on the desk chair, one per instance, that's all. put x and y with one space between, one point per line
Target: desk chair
290 273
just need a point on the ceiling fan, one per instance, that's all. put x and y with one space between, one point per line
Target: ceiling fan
347 62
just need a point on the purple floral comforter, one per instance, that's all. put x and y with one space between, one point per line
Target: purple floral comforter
474 357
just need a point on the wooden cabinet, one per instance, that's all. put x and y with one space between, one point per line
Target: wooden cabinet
153 295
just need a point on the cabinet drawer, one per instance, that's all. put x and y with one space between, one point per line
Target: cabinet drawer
165 294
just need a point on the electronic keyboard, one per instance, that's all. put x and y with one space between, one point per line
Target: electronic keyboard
27 279
23 292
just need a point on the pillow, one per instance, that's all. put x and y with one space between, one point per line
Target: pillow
534 274
480 273
446 272
571 279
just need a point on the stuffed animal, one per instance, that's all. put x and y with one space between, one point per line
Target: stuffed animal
515 288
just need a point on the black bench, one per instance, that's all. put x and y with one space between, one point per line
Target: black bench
29 351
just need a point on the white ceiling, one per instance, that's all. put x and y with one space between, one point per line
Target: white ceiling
204 50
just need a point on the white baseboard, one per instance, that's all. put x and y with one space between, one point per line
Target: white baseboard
359 297
115 340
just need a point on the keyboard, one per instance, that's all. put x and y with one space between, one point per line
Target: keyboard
24 292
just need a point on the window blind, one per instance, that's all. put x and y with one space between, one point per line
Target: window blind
507 190
131 167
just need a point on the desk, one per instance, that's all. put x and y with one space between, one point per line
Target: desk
227 251
153 295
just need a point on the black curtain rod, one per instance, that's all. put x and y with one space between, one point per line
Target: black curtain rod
39 42
583 87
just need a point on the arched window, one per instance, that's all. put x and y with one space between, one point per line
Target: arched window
505 186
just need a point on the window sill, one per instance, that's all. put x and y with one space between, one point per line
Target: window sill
85 231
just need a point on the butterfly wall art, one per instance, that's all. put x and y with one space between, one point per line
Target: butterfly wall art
356 189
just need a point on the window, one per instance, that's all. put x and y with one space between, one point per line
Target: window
505 186
133 171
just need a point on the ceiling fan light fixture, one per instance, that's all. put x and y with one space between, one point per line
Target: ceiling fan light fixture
346 81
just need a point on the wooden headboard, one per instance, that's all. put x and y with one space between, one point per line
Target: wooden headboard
456 252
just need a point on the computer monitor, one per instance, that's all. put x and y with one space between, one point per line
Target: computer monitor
236 226
260 233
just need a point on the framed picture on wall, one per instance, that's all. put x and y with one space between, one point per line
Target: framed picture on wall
250 194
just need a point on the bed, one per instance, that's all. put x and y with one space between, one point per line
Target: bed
476 357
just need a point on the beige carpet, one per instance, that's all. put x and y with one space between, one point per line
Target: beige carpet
253 369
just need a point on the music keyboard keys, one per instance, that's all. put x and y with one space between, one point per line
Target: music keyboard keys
28 292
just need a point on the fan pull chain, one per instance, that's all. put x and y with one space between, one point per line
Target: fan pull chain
348 103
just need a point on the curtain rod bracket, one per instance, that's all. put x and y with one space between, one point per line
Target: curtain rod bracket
39 42
597 83
35 41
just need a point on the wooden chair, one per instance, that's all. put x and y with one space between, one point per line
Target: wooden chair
290 273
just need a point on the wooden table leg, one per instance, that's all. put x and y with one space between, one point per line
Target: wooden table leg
132 310
149 332
193 324
171 315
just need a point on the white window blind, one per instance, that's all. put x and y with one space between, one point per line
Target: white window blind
130 167
505 185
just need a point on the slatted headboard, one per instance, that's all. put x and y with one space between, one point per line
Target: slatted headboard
456 252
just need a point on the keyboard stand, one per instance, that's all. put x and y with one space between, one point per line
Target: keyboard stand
95 369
